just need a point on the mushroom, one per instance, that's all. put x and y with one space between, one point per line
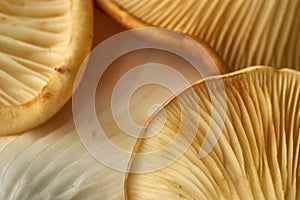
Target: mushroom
243 33
53 162
235 136
50 162
42 45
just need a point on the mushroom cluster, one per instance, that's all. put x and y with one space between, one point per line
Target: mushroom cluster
232 134
243 33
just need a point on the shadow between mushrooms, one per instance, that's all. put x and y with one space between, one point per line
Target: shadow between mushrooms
256 155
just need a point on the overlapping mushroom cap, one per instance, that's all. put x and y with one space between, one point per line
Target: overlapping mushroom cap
243 33
42 45
53 162
256 154
50 162
254 140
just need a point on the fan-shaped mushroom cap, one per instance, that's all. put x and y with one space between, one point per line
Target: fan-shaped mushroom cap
42 45
51 161
243 33
254 156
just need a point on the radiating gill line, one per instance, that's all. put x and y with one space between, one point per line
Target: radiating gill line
24 65
32 36
31 10
7 99
13 44
52 24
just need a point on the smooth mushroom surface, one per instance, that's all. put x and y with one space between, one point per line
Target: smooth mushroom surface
254 140
243 33
50 162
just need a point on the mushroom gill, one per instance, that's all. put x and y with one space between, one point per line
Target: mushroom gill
256 154
243 33
42 45
50 162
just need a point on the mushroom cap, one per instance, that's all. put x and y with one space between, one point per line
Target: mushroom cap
243 33
52 162
235 136
43 44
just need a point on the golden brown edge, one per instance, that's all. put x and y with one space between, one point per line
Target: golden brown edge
59 87
130 22
121 15
194 84
222 67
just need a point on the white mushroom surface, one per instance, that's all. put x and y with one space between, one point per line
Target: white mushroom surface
50 162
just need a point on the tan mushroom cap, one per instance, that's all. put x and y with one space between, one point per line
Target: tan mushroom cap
243 33
42 45
256 155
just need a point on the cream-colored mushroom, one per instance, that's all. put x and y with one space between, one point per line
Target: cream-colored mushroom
50 162
243 33
53 162
42 45
256 155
